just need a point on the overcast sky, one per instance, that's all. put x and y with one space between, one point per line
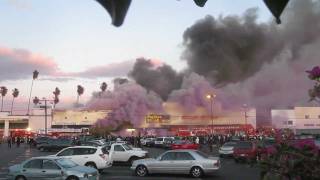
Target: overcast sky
73 42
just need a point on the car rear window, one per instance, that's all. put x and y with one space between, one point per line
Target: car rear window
159 139
244 145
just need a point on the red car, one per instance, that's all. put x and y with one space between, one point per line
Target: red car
184 145
245 150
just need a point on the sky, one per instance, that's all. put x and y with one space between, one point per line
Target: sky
73 42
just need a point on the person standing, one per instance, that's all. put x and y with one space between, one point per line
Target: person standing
9 142
18 141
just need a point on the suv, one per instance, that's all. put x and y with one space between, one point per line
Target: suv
96 157
161 141
245 150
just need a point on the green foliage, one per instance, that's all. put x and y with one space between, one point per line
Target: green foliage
291 163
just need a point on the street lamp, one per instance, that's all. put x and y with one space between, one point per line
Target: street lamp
245 106
211 97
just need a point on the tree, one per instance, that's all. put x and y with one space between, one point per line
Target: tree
34 76
103 87
80 91
314 75
36 100
56 94
3 91
15 94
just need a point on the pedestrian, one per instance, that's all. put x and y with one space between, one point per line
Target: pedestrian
197 140
9 142
18 141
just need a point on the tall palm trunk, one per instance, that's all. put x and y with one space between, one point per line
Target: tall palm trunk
78 98
30 96
12 105
1 103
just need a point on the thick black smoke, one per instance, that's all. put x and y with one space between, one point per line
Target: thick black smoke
160 79
231 48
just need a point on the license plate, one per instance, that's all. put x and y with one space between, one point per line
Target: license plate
242 155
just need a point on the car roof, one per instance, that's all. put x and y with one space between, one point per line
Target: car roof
83 147
182 150
47 157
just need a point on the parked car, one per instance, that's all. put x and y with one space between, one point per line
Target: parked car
55 145
227 149
148 142
50 168
40 140
190 162
266 147
184 144
120 152
163 142
90 143
100 142
96 157
245 150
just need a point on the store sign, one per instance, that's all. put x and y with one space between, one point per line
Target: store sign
157 118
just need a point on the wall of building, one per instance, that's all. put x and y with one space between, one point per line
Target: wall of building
300 119
284 118
201 116
37 119
71 117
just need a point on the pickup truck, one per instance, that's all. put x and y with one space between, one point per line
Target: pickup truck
120 152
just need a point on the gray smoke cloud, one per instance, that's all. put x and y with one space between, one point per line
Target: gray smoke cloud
233 48
160 79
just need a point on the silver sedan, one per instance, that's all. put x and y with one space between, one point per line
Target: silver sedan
190 162
52 168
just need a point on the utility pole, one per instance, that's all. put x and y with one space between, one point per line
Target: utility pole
45 117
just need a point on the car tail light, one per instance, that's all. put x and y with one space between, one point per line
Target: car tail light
103 156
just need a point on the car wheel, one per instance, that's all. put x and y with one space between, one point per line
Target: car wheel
133 159
91 164
72 178
196 172
41 149
141 171
20 178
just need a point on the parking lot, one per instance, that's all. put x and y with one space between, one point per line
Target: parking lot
229 169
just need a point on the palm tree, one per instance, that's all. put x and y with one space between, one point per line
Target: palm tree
36 100
3 91
56 94
34 76
15 93
80 91
103 87
56 101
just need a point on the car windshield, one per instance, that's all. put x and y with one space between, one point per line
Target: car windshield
66 163
126 147
229 144
202 154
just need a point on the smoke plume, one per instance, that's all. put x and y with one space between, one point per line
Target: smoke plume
129 103
160 79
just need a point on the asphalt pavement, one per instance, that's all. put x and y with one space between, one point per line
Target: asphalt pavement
229 169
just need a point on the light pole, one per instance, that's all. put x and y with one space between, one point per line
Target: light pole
245 106
211 97
46 112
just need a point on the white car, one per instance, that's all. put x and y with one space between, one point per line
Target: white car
120 152
227 149
96 157
159 142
